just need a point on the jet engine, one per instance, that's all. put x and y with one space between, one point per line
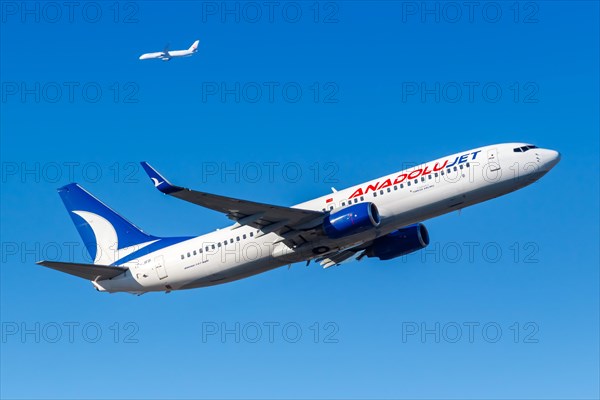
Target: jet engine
399 242
350 220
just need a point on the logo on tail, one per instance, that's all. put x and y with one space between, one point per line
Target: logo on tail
107 236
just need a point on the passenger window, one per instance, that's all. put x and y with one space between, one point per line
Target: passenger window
237 238
416 181
206 248
455 169
467 165
200 251
389 190
225 242
195 252
219 244
436 174
251 234
244 236
407 183
182 256
343 203
213 246
381 192
461 166
401 186
362 198
355 201
442 173
395 187
189 255
422 179
430 176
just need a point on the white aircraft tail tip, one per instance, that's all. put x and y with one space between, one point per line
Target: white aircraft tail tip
194 46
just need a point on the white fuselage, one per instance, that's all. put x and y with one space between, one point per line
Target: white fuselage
403 198
166 56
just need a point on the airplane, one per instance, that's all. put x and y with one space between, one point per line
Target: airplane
166 55
382 218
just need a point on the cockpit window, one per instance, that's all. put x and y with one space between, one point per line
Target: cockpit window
524 148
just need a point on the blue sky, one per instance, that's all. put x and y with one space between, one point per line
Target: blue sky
341 92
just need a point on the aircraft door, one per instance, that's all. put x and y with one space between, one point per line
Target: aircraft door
493 162
159 266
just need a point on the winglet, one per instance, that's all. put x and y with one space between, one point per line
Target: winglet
160 182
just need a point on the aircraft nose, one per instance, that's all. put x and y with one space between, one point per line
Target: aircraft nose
551 158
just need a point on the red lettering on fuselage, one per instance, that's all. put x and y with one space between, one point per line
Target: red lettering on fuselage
372 187
435 168
413 174
386 184
400 179
357 192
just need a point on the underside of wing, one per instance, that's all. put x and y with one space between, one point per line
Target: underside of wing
336 258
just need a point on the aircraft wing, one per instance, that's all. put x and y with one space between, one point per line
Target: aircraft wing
266 217
90 272
165 52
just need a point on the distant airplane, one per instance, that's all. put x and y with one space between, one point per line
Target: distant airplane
166 55
380 218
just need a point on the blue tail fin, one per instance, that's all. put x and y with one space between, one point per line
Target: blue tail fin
106 235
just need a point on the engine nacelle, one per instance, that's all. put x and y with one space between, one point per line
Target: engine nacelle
352 219
399 242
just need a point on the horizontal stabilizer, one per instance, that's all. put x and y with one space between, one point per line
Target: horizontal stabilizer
90 272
